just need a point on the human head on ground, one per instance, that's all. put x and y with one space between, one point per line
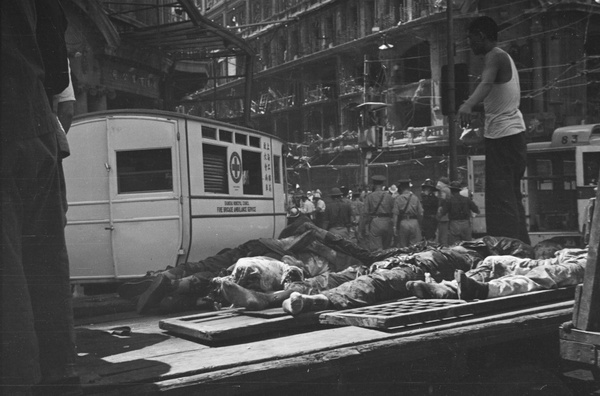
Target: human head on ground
546 249
482 34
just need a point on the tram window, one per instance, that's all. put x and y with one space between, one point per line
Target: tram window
225 136
543 167
144 171
241 138
215 169
255 141
209 132
277 168
591 168
252 173
569 168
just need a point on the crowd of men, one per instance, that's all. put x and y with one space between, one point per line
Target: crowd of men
390 216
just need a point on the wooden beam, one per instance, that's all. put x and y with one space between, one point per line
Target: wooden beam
586 315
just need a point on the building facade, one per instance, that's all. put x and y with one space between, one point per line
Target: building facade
354 84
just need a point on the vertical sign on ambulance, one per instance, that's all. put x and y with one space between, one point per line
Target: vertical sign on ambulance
267 166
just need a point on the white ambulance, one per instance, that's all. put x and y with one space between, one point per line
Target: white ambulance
148 189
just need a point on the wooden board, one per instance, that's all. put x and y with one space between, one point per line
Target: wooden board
232 324
409 312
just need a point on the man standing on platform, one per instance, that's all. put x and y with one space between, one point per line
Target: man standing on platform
376 225
504 132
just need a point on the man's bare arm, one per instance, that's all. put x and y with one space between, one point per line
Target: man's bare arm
488 78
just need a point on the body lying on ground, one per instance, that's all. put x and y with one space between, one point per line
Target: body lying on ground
265 272
498 276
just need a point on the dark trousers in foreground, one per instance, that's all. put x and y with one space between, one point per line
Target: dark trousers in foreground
37 318
505 163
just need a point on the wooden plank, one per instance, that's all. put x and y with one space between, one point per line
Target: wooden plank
579 352
587 314
235 324
390 315
330 352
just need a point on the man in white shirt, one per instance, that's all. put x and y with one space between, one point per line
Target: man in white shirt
505 145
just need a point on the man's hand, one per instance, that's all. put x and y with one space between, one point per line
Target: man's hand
465 113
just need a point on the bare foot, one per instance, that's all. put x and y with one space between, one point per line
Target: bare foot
298 303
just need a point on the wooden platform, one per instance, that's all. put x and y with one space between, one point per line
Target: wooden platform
150 360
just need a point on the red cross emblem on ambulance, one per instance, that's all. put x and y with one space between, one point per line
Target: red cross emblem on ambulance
235 167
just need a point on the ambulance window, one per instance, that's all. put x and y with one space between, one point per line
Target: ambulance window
225 136
252 173
277 168
209 132
144 171
591 168
241 138
255 141
215 169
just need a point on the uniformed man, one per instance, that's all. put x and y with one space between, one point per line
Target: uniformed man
338 215
407 214
430 202
376 221
444 195
357 206
458 208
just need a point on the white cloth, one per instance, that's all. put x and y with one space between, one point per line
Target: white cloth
509 275
307 207
68 94
502 115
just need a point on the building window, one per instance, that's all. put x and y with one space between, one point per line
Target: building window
215 169
144 171
252 173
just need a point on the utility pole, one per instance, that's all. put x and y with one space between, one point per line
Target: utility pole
451 93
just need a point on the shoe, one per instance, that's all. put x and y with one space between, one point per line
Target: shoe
470 289
427 290
130 290
151 298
